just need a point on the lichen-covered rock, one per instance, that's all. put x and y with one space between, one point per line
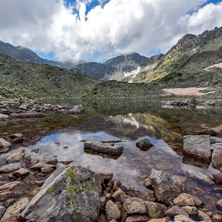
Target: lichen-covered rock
197 146
166 186
69 194
155 210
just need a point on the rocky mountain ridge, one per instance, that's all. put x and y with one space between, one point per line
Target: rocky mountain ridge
189 57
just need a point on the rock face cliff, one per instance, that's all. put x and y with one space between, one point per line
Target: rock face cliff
121 68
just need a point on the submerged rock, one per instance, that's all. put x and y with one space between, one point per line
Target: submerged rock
76 110
144 144
197 146
15 157
200 177
166 186
10 167
69 194
4 143
98 147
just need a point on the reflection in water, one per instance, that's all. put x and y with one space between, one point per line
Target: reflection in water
163 127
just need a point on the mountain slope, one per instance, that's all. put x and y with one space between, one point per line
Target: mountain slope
25 80
186 62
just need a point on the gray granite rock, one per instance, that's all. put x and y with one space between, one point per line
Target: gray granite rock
71 195
200 177
166 186
197 146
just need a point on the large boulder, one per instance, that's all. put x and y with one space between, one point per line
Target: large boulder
69 194
97 147
197 146
166 186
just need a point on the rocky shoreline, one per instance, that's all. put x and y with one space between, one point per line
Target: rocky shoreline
104 198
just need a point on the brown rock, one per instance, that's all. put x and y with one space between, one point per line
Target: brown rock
190 210
134 205
216 161
53 162
166 219
66 162
13 212
21 172
28 114
46 170
218 178
203 216
151 197
185 199
174 211
39 182
112 211
182 218
217 217
155 210
142 177
219 205
10 186
40 165
101 218
147 183
8 194
137 218
118 193
16 135
17 140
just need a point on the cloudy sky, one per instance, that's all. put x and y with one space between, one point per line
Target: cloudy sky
96 30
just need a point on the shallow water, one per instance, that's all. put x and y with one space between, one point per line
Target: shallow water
59 136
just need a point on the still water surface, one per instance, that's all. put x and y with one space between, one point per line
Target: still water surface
59 136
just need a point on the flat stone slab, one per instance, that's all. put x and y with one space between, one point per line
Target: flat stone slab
97 147
29 114
200 177
197 146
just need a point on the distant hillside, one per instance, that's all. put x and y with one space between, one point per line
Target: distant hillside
187 62
26 55
25 80
21 81
121 68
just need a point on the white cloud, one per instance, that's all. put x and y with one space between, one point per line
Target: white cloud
120 26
